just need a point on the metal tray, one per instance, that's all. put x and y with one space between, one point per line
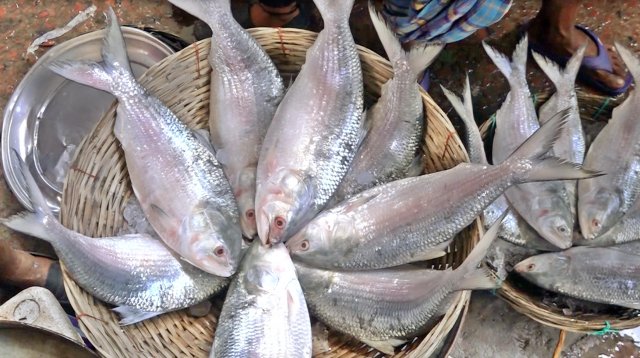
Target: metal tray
47 116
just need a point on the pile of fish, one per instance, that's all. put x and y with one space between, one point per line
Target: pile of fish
315 176
598 216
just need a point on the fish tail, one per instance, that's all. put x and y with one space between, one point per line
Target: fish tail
105 76
30 223
130 315
534 164
418 58
205 10
631 61
474 277
561 78
334 10
464 108
512 70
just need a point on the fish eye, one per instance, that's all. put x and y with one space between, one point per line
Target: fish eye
250 214
562 229
219 251
304 245
530 267
280 222
595 223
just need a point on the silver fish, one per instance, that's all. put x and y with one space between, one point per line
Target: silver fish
384 308
175 176
246 89
315 133
415 218
625 230
396 121
616 151
598 274
264 314
513 229
135 272
545 206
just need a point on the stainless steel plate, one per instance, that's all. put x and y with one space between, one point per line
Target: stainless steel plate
47 116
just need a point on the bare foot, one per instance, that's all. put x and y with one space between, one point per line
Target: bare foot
566 43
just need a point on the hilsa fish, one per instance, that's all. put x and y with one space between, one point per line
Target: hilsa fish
246 89
544 206
175 176
385 308
603 202
390 150
315 132
135 272
414 219
264 313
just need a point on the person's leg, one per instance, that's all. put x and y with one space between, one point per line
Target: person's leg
554 28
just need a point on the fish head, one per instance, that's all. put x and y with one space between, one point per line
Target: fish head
557 230
597 213
245 193
281 208
268 269
322 238
211 241
544 269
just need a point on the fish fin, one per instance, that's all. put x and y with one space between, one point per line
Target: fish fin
416 167
560 78
631 61
418 58
386 347
426 256
130 315
334 11
465 111
517 67
479 279
28 223
202 135
100 76
540 166
422 56
480 250
38 202
158 210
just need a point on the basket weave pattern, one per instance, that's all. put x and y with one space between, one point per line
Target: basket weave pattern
97 188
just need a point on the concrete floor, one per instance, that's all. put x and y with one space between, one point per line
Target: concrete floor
492 328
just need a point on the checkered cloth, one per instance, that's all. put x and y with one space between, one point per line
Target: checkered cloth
442 20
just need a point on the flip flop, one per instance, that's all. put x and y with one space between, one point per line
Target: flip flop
599 62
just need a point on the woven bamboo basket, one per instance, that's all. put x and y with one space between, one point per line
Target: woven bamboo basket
97 188
595 110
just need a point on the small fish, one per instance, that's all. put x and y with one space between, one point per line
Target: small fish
246 89
315 132
384 308
599 274
135 272
174 174
396 121
545 206
415 218
616 151
264 314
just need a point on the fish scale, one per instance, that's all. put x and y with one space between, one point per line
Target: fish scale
600 274
246 89
179 183
315 132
